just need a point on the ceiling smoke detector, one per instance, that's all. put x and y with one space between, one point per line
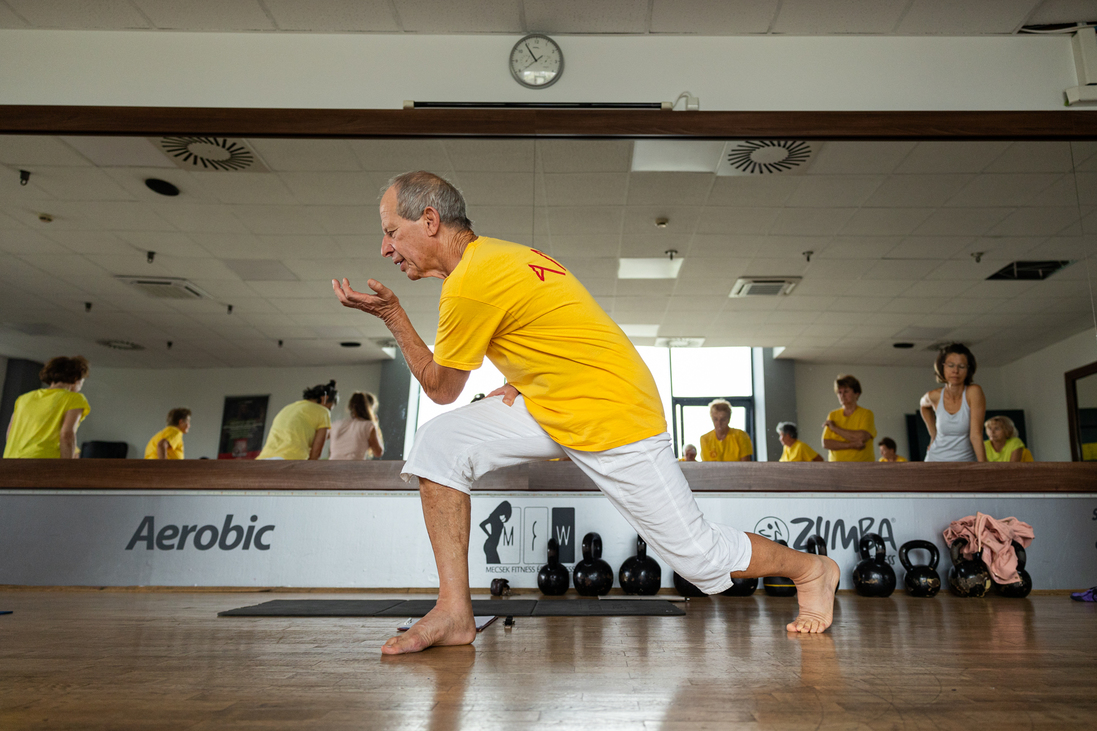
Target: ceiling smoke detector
174 288
763 157
120 344
763 286
212 154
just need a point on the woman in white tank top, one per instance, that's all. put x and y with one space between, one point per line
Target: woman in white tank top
954 413
358 435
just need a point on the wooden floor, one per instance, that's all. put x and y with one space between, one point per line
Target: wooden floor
110 660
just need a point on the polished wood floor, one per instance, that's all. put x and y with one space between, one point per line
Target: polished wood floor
112 660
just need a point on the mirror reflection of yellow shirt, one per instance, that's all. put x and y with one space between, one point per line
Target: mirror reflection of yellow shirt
733 448
581 378
798 452
175 443
897 459
292 431
860 420
1012 444
36 422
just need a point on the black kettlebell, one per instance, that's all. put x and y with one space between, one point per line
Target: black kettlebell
873 576
500 587
741 587
921 581
967 577
640 574
817 544
553 578
779 585
685 588
1018 589
592 575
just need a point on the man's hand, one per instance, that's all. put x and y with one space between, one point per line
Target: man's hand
829 424
383 304
508 392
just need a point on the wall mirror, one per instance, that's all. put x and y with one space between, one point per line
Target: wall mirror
1081 386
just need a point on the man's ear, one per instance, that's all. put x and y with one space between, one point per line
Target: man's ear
432 219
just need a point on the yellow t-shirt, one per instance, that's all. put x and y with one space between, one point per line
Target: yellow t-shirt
581 378
798 452
175 443
1007 450
859 420
36 422
897 459
292 431
733 448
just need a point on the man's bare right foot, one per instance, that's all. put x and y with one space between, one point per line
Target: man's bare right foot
440 628
815 592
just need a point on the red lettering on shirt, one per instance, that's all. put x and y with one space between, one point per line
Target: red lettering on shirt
541 270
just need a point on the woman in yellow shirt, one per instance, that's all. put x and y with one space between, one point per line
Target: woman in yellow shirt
168 442
795 450
1004 445
44 422
887 451
725 443
848 432
300 429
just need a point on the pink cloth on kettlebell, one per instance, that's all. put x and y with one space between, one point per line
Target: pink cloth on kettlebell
992 538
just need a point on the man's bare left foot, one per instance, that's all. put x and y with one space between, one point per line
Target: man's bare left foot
440 628
815 592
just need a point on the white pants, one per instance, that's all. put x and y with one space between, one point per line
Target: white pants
642 480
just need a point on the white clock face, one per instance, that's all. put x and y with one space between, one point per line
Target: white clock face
536 61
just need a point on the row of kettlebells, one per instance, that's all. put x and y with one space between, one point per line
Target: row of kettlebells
639 574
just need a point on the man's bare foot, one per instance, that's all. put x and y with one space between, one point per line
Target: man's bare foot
440 628
815 592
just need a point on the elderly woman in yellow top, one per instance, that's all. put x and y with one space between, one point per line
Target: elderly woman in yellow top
1004 445
300 429
44 422
795 450
848 432
724 443
168 442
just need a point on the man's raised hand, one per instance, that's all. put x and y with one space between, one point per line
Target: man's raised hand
381 304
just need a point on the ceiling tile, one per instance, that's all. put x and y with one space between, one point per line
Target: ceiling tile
103 15
753 191
9 20
971 17
775 246
811 221
25 241
585 219
864 158
217 15
37 150
834 191
961 221
681 222
490 155
1034 157
276 219
334 16
651 245
668 189
1004 189
885 221
498 188
205 218
585 189
712 17
298 246
738 220
309 155
398 156
577 16
583 156
857 247
930 247
725 245
917 191
724 270
1064 11
1037 222
810 17
248 188
460 16
952 157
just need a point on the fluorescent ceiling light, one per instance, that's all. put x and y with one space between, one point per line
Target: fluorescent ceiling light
675 156
649 268
679 342
641 331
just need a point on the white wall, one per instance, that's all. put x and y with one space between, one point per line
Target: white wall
130 405
1035 383
377 71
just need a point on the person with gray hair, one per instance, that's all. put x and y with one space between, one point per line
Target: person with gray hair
795 450
576 387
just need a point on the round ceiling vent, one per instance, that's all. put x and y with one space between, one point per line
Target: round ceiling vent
120 344
208 153
756 157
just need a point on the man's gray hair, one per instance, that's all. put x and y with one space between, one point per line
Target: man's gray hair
419 190
787 427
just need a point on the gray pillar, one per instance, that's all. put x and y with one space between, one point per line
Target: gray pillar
774 398
20 376
393 395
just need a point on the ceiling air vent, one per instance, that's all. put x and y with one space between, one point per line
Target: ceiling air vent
120 344
763 286
762 157
212 154
1030 269
173 288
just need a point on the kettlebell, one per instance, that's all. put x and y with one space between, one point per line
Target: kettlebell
967 577
873 576
592 575
741 587
553 578
921 581
500 587
640 574
779 585
685 588
818 545
1018 589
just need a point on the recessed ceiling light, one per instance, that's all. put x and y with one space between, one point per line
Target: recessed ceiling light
351 344
641 331
679 342
163 187
649 268
903 346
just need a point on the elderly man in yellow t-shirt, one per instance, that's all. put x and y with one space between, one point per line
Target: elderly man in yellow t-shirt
724 443
848 432
576 388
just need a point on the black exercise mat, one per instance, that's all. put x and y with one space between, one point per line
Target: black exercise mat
314 608
480 608
605 608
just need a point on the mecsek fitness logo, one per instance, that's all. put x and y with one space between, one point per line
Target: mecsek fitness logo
174 537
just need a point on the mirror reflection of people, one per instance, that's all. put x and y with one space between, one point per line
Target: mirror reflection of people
689 453
168 442
724 443
300 429
44 422
887 451
954 414
795 450
1004 445
848 432
359 435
